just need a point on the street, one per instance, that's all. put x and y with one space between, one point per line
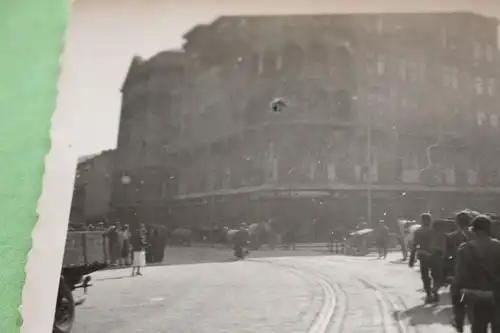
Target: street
261 295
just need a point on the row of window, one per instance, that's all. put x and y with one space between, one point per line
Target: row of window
294 58
483 52
481 86
480 50
413 71
483 119
408 70
485 86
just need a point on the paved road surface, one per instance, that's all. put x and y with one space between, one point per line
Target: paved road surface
302 294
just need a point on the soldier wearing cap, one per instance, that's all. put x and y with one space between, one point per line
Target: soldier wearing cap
477 278
453 241
430 269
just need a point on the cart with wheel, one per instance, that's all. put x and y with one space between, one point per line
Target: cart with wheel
86 252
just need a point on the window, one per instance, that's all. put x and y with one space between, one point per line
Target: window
371 99
370 59
446 76
489 52
379 26
342 100
260 65
279 62
449 40
494 120
412 71
254 63
459 118
268 63
318 59
444 37
491 87
481 117
454 77
452 43
293 59
402 69
380 65
422 69
478 54
479 85
318 54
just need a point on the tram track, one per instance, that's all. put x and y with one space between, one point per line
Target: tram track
397 303
382 317
387 317
322 322
390 306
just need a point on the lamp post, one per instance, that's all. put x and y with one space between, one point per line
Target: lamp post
374 91
369 179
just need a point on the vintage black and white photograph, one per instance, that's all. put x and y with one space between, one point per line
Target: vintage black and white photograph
314 171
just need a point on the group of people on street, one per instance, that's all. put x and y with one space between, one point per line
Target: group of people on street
472 256
119 247
134 248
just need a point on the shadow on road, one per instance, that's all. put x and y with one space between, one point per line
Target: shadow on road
115 278
399 262
441 313
427 315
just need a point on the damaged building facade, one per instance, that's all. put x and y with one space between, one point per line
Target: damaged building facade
401 106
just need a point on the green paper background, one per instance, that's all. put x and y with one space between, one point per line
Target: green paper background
31 41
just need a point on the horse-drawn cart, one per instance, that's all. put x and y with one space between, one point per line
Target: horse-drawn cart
86 252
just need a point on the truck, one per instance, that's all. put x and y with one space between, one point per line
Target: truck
85 253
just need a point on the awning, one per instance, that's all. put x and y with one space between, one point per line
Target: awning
361 232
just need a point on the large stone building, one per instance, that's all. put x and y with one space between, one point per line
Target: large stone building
93 188
144 175
198 122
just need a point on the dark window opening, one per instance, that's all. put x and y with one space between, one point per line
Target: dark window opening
293 58
342 104
269 63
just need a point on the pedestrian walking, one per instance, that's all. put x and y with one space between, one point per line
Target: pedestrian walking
477 278
139 253
382 239
157 246
331 241
240 242
291 239
452 242
112 235
429 263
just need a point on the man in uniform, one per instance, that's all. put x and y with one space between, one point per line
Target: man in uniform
452 243
477 278
240 241
456 238
382 239
429 265
331 241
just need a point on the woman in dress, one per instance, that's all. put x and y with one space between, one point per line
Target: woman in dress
139 253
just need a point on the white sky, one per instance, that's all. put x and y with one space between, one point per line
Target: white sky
105 34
